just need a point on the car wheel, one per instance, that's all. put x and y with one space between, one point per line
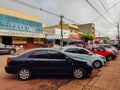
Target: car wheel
24 74
79 73
109 57
97 64
12 52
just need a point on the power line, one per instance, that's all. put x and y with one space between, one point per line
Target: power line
107 7
106 11
54 14
100 33
98 11
44 11
115 10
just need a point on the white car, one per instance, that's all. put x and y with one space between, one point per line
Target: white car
97 61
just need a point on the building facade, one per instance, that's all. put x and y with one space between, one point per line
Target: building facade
101 39
18 28
87 28
70 33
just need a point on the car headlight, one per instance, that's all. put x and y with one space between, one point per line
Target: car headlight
88 63
114 51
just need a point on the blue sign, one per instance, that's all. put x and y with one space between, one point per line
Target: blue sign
13 23
22 28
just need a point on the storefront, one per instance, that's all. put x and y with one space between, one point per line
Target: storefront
18 31
54 36
51 39
74 38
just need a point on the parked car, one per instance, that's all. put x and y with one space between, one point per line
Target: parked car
5 49
46 61
102 51
116 46
97 61
109 48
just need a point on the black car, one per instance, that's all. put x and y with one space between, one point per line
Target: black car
46 61
5 49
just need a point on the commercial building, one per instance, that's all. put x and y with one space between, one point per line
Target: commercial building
18 28
70 33
101 39
87 28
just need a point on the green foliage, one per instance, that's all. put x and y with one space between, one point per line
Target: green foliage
87 37
105 41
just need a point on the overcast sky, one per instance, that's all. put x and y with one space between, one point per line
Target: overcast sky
77 10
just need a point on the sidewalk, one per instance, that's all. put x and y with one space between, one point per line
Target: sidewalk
108 78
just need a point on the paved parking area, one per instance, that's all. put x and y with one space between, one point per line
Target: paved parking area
106 78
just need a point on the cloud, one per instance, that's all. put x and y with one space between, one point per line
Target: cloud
77 10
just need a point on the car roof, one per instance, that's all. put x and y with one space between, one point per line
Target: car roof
35 49
70 46
43 49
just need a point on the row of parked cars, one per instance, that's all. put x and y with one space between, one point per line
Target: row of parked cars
70 60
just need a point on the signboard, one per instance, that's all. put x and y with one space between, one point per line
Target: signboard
65 32
13 26
53 37
21 34
19 24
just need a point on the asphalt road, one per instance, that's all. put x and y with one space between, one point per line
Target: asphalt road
100 79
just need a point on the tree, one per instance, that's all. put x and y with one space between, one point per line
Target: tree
105 41
87 37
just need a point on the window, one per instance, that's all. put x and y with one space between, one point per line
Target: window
82 51
56 55
71 50
39 54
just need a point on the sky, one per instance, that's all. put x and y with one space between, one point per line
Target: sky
77 10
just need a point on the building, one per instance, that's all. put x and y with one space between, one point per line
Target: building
18 28
101 39
87 28
70 33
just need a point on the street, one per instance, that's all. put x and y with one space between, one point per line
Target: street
106 78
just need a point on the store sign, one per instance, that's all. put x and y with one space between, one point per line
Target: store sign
13 26
53 37
64 32
75 36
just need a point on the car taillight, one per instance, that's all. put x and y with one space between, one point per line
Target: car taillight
8 61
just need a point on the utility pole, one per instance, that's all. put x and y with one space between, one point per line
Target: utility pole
61 23
99 37
118 33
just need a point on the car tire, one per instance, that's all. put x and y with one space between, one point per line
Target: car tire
79 73
12 52
109 57
97 64
24 74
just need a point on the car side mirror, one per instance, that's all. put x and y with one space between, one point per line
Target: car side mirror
68 59
90 54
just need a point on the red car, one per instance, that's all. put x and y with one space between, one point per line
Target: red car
102 51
